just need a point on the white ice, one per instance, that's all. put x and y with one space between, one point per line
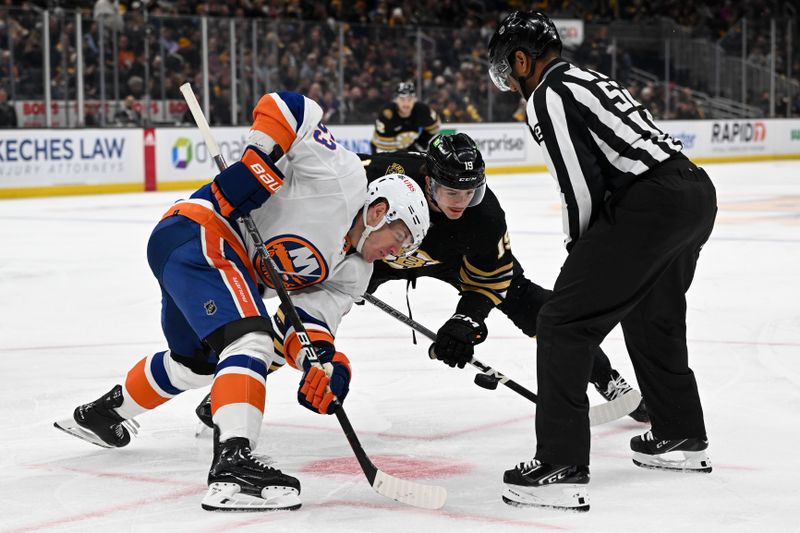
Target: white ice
79 307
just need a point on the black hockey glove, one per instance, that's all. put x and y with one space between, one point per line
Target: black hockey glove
456 338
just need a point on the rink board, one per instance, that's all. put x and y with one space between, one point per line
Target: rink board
63 161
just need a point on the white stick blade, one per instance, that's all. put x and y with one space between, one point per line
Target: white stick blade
409 492
616 408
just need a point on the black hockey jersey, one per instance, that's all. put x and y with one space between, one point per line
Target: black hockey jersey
411 133
473 253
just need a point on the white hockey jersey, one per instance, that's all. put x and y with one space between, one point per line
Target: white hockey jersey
309 201
305 222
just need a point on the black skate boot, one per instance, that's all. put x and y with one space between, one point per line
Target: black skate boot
98 422
543 485
238 481
679 455
203 412
615 386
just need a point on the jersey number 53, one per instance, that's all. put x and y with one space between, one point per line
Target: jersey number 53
324 137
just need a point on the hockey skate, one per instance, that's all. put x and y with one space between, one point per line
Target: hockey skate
542 485
677 455
615 387
238 481
97 422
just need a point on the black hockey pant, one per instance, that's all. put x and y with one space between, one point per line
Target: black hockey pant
632 266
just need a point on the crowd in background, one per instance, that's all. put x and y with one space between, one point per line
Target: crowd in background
347 55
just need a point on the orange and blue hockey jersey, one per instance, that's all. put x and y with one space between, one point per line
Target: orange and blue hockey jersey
303 205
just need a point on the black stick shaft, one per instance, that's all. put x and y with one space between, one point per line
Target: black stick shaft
486 369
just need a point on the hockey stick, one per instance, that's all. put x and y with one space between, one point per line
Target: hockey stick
401 490
598 414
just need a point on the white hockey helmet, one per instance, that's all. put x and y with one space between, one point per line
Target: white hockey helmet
406 202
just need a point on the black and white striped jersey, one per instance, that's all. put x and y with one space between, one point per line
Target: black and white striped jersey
595 137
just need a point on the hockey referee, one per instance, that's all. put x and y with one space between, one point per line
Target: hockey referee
636 214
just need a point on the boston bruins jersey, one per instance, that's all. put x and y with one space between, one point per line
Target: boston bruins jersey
411 133
473 252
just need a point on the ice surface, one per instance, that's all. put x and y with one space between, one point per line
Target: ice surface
80 307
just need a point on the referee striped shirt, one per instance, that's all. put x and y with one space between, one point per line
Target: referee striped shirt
595 137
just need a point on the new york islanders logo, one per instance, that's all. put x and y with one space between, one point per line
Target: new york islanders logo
299 262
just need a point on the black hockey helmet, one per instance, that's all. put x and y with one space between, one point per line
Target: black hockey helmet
530 31
454 161
405 88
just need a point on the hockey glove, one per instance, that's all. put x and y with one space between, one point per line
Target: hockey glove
320 386
456 338
246 184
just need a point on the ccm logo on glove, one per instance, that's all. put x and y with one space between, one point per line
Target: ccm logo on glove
456 338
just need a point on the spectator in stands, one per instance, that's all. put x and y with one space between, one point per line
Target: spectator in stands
128 115
8 115
353 108
330 107
136 87
298 46
106 11
90 118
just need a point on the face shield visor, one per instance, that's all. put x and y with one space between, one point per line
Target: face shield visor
449 196
500 73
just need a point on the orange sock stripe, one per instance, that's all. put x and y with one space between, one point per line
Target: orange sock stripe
292 345
225 206
237 286
209 219
268 118
140 389
237 388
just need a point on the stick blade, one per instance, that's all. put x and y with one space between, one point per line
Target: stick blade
409 492
616 408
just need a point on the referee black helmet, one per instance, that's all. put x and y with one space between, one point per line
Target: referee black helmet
530 31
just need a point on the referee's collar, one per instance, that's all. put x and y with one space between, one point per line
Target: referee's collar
551 66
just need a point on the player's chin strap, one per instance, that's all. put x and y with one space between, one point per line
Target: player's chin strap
367 228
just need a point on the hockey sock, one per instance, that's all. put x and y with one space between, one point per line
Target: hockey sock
239 389
155 380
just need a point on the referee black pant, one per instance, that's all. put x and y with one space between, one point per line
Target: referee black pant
632 266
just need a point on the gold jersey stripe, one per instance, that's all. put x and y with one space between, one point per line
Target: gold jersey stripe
499 286
478 271
488 294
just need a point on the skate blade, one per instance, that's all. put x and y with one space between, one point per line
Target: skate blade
70 426
228 497
561 496
688 462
